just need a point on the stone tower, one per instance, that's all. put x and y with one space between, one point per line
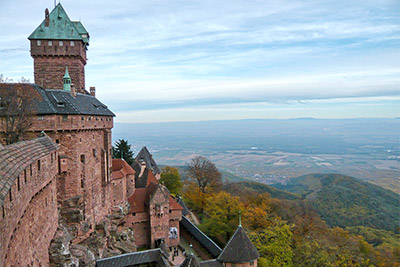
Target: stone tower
56 43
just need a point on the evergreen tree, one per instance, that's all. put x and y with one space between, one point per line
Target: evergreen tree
123 150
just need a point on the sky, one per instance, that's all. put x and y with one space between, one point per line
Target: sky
190 60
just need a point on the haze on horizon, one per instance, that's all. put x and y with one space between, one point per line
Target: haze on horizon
156 61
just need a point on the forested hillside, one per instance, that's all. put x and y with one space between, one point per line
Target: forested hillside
345 201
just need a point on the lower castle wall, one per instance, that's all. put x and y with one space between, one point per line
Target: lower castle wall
31 238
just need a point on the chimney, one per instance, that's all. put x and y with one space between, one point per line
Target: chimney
142 168
92 91
73 90
47 19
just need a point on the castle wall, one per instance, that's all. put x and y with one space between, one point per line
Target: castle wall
29 217
119 191
141 227
51 57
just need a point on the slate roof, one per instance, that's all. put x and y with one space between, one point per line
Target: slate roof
60 28
211 263
185 210
146 179
190 261
130 259
239 248
17 157
52 101
120 169
144 155
203 239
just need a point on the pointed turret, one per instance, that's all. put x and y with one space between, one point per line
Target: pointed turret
239 248
67 80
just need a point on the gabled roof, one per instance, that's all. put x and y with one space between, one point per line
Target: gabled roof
146 179
152 256
239 248
144 155
60 28
17 157
190 261
120 169
173 205
51 101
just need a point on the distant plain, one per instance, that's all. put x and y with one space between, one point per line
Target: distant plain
274 151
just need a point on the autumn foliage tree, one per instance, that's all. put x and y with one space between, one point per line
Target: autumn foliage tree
18 106
171 179
204 173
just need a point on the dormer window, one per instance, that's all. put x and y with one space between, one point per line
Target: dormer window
39 43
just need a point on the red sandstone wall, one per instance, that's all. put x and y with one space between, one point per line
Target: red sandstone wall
30 219
130 185
50 62
119 191
159 220
141 228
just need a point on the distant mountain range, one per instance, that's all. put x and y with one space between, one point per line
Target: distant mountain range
345 201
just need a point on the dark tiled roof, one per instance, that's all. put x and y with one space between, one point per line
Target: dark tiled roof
204 240
185 210
17 157
146 179
144 155
211 263
52 101
239 249
136 258
190 261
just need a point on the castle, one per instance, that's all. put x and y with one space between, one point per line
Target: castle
61 172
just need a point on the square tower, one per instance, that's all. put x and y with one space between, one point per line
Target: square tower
56 43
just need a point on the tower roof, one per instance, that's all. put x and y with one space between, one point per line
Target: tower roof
60 27
239 249
144 155
66 75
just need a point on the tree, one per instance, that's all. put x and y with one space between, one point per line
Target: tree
171 179
204 172
123 150
18 106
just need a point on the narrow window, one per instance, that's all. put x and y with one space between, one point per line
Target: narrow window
41 118
82 183
57 141
18 183
45 200
94 152
51 157
82 118
25 176
39 43
10 195
38 165
4 211
50 43
30 168
72 43
65 117
60 43
83 158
